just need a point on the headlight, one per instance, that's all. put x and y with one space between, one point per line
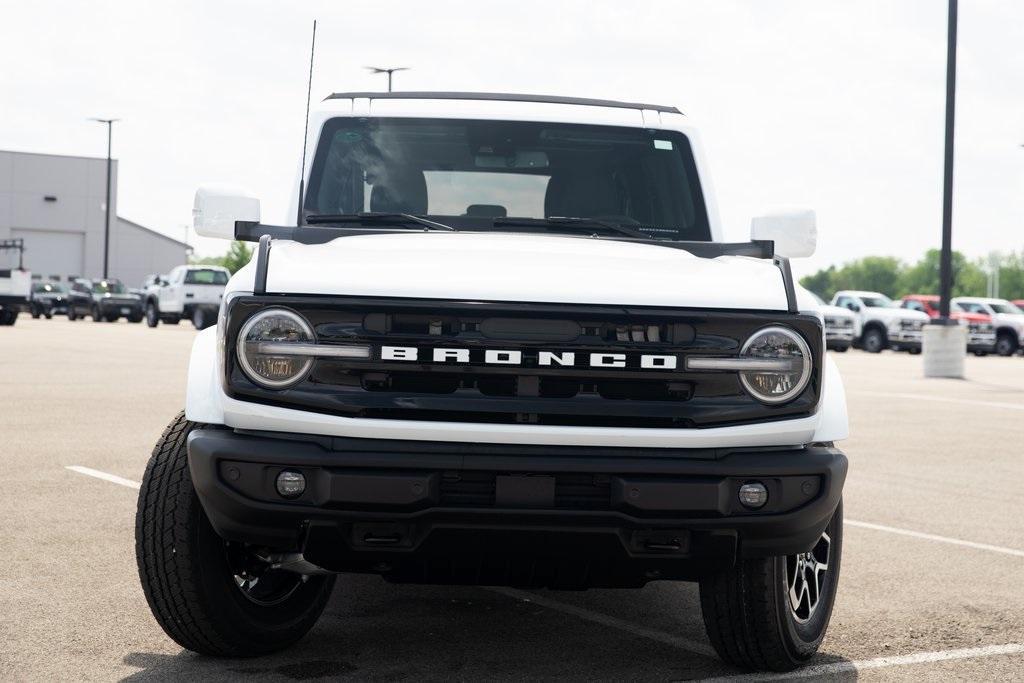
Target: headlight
793 369
259 348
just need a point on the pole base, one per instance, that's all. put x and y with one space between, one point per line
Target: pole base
944 350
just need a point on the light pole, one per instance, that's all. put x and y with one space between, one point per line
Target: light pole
106 230
379 70
944 341
946 262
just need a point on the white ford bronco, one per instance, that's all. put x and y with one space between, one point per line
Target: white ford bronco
192 292
504 344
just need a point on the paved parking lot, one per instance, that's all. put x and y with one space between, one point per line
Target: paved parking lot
932 585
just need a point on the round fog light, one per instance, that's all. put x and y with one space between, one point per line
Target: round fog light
753 495
291 484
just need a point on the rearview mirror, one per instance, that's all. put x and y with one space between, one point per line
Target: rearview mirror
217 207
794 231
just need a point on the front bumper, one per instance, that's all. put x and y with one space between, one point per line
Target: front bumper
981 343
431 511
12 302
905 340
838 337
130 308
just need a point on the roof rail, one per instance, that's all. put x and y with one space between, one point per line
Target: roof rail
501 97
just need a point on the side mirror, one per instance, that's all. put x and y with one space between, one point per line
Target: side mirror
794 231
217 207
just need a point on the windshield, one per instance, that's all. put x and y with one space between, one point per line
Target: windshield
206 277
48 287
1006 307
876 301
108 287
472 172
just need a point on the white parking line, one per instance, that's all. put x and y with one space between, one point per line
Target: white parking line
113 478
942 399
935 537
823 670
605 620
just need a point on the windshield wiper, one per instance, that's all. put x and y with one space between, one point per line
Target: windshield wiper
377 217
572 221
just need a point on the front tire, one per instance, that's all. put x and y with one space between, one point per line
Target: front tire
211 596
771 614
874 340
201 319
152 315
1006 345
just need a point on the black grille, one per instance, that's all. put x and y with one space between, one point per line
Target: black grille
572 491
527 393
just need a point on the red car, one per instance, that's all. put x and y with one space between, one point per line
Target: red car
981 336
1019 303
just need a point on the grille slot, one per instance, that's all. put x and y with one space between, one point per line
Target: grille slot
572 491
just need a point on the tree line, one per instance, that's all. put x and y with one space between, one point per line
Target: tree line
894 278
238 255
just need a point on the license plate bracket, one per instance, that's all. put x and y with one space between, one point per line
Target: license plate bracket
524 491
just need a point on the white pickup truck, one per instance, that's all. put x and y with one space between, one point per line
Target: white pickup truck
505 344
193 292
880 323
15 283
1007 319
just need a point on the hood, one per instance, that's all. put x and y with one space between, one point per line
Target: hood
896 314
836 311
971 317
518 267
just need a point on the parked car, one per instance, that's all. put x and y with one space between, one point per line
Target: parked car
192 292
981 333
881 324
110 300
551 378
15 283
1007 318
48 298
1019 303
79 298
839 325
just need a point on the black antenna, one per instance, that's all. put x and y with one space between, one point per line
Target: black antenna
305 130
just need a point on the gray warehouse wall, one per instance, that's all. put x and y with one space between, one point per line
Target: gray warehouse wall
136 252
64 235
73 220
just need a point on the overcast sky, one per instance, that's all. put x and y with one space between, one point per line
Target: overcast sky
833 105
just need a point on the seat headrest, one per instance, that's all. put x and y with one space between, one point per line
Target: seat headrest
487 210
582 193
399 190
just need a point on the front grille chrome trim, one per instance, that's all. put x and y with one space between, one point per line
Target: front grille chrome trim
741 364
314 350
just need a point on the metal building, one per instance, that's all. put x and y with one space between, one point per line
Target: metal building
56 204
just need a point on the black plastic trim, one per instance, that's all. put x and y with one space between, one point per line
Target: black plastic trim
500 97
262 264
787 282
249 231
281 524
